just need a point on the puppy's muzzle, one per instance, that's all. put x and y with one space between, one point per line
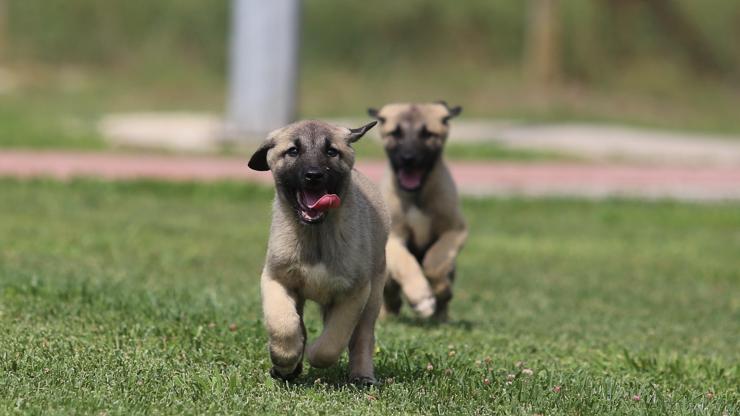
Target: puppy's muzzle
314 178
408 160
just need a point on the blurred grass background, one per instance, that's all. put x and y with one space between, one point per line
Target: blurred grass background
71 61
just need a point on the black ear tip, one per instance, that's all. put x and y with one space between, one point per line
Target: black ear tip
453 110
256 166
258 163
375 113
356 134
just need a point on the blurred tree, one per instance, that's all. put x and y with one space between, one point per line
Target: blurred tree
676 26
686 35
3 29
543 51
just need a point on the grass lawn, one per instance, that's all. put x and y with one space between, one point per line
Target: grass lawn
62 121
143 298
469 151
46 122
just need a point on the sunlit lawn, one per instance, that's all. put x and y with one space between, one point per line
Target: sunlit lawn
143 298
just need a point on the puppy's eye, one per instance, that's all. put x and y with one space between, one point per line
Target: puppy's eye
293 152
425 134
397 132
332 152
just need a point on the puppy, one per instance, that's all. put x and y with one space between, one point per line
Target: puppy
427 227
327 239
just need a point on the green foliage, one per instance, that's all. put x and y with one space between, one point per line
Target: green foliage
354 34
120 298
131 32
171 54
357 34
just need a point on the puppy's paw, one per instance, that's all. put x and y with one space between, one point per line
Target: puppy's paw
364 381
286 376
426 307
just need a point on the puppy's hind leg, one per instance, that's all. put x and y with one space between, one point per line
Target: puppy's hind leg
441 311
283 312
362 344
340 320
391 298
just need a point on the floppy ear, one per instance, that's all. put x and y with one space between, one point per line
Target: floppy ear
375 113
355 134
258 161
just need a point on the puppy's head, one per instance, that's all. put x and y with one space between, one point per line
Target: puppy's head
414 136
311 162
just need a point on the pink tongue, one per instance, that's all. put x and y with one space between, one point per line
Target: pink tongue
410 179
326 202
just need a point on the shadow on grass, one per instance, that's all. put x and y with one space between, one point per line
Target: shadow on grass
387 371
461 324
336 377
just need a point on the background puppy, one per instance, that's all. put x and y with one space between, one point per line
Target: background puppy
428 229
327 242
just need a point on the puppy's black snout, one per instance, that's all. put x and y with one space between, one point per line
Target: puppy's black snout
407 159
313 176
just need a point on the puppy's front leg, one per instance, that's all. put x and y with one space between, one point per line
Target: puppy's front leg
340 320
405 270
362 344
283 314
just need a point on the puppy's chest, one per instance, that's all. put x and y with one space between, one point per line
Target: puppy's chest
320 284
420 225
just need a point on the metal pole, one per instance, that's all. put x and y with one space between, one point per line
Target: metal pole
263 66
3 29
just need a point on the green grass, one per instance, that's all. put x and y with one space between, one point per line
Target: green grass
469 151
118 299
52 117
61 108
35 125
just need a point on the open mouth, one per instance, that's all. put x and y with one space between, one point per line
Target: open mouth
410 179
314 204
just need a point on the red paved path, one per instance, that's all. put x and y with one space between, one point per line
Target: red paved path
473 178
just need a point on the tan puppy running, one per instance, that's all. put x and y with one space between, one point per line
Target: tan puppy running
428 230
327 244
